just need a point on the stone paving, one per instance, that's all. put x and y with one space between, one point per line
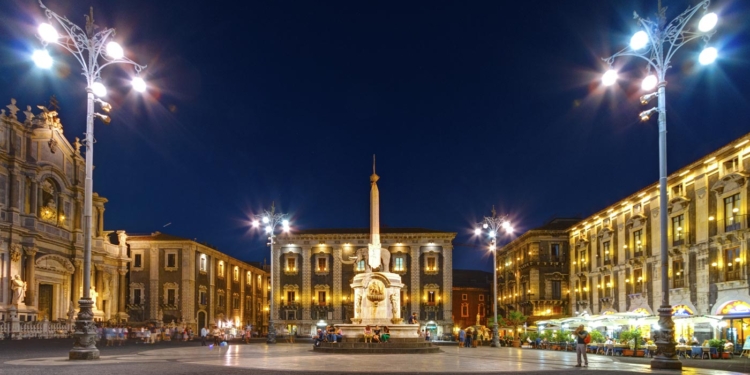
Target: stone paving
299 358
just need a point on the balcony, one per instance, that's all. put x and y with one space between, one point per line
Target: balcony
732 275
678 282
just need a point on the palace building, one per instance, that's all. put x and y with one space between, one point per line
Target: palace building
173 279
533 272
313 272
613 262
41 217
615 253
472 298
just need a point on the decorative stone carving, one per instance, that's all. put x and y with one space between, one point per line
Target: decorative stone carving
15 252
54 262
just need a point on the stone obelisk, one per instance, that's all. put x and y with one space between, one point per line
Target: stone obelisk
374 246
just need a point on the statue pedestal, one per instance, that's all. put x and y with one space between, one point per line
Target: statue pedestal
377 298
15 323
397 331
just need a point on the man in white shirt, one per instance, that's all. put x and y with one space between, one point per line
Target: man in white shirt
204 333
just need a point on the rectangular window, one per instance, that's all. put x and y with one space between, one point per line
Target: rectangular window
554 253
236 274
203 297
399 264
431 297
584 289
464 297
236 302
4 190
582 259
677 190
322 264
171 260
481 297
638 280
431 264
731 165
637 242
606 252
203 263
291 264
732 220
290 296
678 232
137 260
607 285
221 300
171 297
732 262
556 289
321 298
249 278
678 276
361 265
137 296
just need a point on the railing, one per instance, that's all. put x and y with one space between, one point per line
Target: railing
732 275
36 330
678 282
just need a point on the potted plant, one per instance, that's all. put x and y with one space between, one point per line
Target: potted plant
625 337
597 337
719 346
515 319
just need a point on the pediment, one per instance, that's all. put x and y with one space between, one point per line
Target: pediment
730 182
678 203
54 263
605 234
636 221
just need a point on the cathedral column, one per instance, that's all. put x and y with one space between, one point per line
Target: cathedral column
122 288
78 207
31 289
15 190
33 199
99 290
100 231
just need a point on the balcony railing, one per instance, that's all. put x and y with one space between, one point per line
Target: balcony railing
678 282
732 275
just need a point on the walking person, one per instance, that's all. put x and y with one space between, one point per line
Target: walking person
581 335
204 333
461 338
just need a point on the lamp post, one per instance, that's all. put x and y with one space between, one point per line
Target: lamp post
271 220
94 51
656 43
494 224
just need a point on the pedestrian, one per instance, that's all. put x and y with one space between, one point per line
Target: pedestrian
461 338
204 333
581 334
468 337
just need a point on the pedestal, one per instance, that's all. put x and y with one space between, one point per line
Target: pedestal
85 333
377 298
15 323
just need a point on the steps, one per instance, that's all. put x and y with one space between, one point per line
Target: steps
393 346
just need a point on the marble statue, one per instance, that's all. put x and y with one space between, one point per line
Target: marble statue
19 289
394 305
93 295
71 311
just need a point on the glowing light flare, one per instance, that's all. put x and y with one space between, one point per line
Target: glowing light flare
639 40
708 22
255 223
493 234
99 89
114 50
48 33
609 78
139 84
265 219
477 231
42 59
649 82
268 229
708 56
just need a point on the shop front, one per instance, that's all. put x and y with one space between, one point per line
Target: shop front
735 323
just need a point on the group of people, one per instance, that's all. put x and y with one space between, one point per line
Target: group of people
377 334
693 341
113 334
330 334
468 338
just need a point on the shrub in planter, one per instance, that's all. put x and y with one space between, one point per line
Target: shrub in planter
597 336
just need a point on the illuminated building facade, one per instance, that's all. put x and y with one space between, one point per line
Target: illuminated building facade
472 298
615 255
314 269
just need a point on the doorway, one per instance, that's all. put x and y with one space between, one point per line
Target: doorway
201 319
45 301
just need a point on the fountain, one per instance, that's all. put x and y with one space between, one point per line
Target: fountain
376 300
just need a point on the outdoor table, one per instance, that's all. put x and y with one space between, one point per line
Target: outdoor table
695 352
619 348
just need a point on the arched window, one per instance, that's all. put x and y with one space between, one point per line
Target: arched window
48 207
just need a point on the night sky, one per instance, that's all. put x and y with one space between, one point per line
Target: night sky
467 104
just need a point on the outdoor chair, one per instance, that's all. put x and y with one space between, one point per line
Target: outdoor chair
610 349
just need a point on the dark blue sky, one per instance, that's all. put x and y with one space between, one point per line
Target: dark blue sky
466 104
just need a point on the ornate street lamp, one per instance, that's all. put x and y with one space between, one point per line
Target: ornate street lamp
656 43
94 51
494 225
271 221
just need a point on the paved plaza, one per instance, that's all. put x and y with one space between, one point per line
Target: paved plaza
257 358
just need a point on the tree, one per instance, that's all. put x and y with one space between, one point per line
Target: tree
515 319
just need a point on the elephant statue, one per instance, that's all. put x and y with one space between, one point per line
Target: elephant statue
362 254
